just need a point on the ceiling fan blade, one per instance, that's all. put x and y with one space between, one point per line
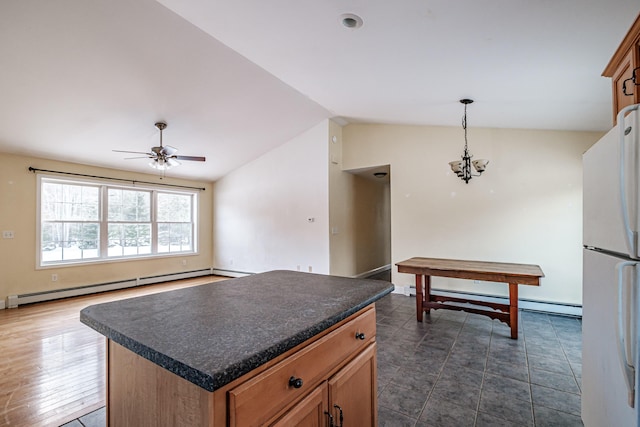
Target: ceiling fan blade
193 158
171 161
168 150
133 152
141 157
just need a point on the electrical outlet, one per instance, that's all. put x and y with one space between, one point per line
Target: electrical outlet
7 234
54 277
184 262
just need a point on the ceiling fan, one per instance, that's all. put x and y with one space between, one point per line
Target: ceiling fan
163 157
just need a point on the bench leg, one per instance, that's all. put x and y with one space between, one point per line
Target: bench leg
427 291
419 297
513 309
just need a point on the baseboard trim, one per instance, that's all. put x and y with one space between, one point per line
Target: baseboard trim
229 273
372 272
14 301
574 310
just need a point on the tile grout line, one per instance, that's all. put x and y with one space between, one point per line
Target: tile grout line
484 375
526 353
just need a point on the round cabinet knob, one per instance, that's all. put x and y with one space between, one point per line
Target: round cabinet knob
295 382
360 336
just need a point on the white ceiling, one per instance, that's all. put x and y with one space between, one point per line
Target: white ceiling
234 79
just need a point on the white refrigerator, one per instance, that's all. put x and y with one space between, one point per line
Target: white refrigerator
611 273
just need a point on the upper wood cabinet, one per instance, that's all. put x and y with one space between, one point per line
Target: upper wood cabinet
621 70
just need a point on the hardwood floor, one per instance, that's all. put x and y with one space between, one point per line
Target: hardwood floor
52 367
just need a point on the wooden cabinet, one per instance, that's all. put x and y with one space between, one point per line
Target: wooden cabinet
621 68
266 395
311 411
348 391
331 373
350 401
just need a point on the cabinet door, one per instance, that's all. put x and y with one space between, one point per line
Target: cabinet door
353 389
622 74
309 412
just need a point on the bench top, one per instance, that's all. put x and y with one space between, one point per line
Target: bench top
524 274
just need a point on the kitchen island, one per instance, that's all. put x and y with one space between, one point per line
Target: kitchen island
276 348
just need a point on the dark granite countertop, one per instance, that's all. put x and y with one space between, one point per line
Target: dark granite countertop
214 333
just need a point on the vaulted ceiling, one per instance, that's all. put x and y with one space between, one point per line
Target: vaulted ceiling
234 79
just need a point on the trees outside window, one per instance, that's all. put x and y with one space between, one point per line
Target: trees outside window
83 221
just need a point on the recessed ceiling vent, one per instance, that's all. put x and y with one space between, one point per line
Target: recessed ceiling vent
351 21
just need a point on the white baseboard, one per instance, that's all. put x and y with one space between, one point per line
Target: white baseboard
14 301
372 272
229 273
234 273
524 304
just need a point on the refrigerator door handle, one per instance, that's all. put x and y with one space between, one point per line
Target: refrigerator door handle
628 369
630 234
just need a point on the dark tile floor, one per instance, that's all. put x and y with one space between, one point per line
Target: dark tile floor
458 369
97 418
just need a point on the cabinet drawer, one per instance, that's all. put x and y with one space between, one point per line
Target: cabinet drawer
260 398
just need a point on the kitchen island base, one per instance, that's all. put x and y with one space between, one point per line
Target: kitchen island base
332 375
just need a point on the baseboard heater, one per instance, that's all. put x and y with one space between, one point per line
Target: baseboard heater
524 304
14 301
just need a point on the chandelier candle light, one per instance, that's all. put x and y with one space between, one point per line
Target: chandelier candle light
462 168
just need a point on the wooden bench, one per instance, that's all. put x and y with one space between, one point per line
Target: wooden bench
513 274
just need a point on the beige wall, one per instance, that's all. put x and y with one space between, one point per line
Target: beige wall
18 188
341 242
359 216
526 208
371 223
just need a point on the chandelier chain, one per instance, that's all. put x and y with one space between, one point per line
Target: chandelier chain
464 126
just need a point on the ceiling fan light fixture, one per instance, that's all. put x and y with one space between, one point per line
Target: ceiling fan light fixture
161 165
164 157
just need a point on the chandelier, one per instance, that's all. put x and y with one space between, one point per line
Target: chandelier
462 168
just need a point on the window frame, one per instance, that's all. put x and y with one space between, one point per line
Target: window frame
103 221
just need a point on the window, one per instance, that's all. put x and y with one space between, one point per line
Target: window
129 222
175 229
83 221
70 227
